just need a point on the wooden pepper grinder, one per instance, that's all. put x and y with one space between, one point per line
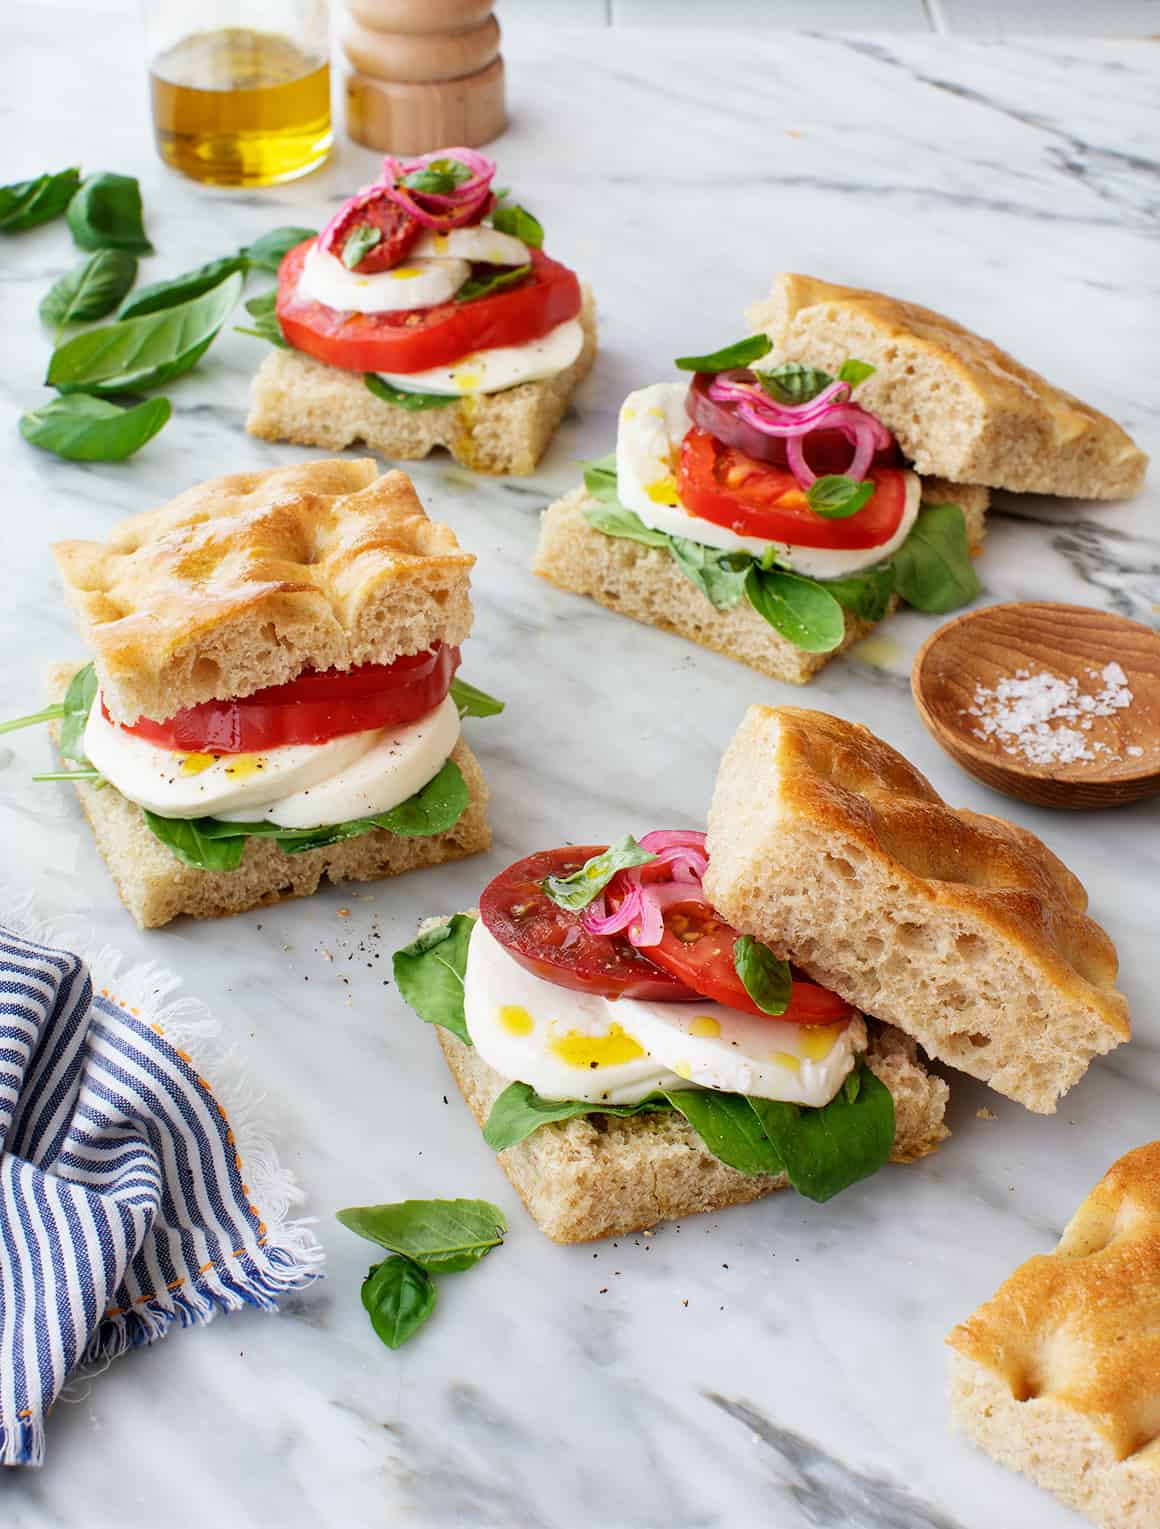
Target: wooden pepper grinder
426 73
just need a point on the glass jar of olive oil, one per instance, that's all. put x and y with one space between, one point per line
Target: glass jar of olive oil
240 88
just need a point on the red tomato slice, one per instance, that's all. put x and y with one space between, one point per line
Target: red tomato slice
553 943
419 338
315 707
697 948
722 484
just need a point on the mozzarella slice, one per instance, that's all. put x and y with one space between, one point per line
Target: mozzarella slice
490 371
413 284
478 243
652 425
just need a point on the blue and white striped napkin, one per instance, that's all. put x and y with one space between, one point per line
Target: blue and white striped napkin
124 1203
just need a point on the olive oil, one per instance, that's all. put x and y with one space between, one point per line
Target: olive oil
238 107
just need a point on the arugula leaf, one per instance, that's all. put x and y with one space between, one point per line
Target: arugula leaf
729 1128
84 429
800 609
438 177
519 1111
106 214
27 204
398 1297
495 279
741 353
51 713
836 496
441 1236
135 354
826 1150
793 383
402 399
617 521
265 254
183 836
581 887
362 239
159 295
720 576
520 223
266 326
865 594
854 372
932 568
473 702
90 290
429 974
78 702
767 980
600 479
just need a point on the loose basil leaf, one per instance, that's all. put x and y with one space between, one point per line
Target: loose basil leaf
826 1150
600 479
27 204
621 522
106 214
932 568
78 702
854 372
399 1297
473 702
438 177
794 383
495 280
729 1128
520 223
800 609
767 980
865 594
441 1236
429 974
159 295
720 576
519 1111
184 837
358 246
91 290
266 326
134 354
265 254
401 398
836 496
742 353
581 887
84 429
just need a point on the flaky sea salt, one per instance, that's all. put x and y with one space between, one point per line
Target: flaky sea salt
1029 714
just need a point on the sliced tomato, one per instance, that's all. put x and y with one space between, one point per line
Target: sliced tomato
722 484
418 338
697 948
398 229
315 707
552 941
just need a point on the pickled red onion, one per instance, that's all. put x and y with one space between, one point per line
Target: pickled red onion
461 206
641 913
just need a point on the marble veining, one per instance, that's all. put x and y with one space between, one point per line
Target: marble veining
782 1364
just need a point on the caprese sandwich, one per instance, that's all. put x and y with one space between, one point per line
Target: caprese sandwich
633 1058
425 314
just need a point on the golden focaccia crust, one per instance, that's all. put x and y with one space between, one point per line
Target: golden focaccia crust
962 929
246 580
959 406
1067 1353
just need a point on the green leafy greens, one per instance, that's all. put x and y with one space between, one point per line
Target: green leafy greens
793 383
28 204
266 253
837 497
90 290
402 399
766 979
741 353
398 1296
581 887
438 177
473 702
84 429
265 326
429 974
932 568
520 223
491 279
156 296
106 214
364 237
519 1111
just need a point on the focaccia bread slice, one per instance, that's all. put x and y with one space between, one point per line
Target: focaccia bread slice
604 1176
295 398
958 405
1058 1374
963 930
246 580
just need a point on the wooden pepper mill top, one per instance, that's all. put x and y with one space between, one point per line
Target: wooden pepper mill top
426 73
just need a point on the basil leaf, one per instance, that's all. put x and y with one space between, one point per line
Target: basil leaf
90 290
836 496
441 1236
520 223
800 609
729 1128
742 353
266 326
473 702
767 980
519 1111
720 576
84 429
27 204
133 354
399 1297
402 399
159 295
438 177
184 838
865 594
78 702
359 244
433 810
826 1150
581 887
854 372
794 383
932 568
493 280
429 974
266 253
600 479
621 522
106 214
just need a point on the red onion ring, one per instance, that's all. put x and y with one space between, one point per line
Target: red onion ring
641 913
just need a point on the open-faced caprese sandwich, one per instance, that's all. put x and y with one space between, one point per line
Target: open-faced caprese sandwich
426 314
633 1058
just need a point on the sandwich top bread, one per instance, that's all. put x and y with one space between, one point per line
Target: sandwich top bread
1058 1374
957 404
964 930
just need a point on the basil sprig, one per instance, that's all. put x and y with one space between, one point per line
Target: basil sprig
106 214
836 497
72 713
429 974
28 204
262 309
793 383
438 177
91 290
741 353
933 569
520 223
473 702
766 979
583 886
401 398
491 279
363 238
84 429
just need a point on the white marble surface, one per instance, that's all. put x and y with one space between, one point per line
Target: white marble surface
782 1364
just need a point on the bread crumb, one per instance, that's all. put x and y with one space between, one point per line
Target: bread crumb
985 1114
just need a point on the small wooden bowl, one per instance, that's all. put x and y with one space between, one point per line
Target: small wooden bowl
1069 641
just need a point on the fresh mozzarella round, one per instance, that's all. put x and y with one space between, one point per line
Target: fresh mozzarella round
490 371
414 284
653 423
485 245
